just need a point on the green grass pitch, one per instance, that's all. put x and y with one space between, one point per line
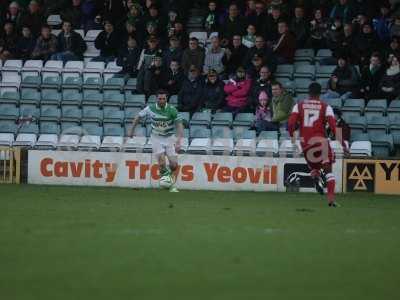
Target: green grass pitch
105 243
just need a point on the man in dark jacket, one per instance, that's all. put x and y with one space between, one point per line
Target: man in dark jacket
108 43
233 25
33 18
25 44
371 77
190 96
193 55
235 54
175 77
262 50
262 84
46 44
128 58
154 77
213 92
173 52
70 45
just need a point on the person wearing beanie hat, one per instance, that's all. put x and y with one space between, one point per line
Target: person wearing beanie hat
263 121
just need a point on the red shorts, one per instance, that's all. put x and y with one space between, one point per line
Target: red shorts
318 154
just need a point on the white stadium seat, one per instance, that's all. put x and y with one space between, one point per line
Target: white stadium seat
91 35
222 146
361 148
54 20
6 139
135 144
200 146
25 140
112 143
47 141
245 147
286 148
10 80
89 142
33 66
267 147
68 142
12 65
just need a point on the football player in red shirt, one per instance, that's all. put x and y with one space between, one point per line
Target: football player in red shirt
311 116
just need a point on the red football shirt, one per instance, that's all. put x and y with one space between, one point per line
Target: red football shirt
311 117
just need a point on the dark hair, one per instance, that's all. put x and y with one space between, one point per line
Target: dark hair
162 92
277 83
314 89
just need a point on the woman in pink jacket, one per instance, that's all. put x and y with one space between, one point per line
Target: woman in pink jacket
237 91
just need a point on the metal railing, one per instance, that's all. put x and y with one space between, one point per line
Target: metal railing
10 165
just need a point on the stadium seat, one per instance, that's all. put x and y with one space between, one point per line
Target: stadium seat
361 149
267 147
244 119
92 114
51 80
222 119
112 143
68 142
285 72
304 55
135 100
92 97
29 111
287 84
173 100
8 126
130 85
334 103
49 127
245 143
353 107
286 148
324 84
221 132
50 97
305 71
268 135
301 85
200 146
357 123
376 108
6 139
202 36
201 118
10 81
12 66
152 99
30 96
394 108
9 111
222 146
9 97
71 97
71 113
113 115
91 51
337 148
395 128
54 20
323 53
53 66
89 143
382 144
377 125
324 71
91 35
113 98
25 140
30 80
73 66
185 118
112 129
50 113
112 68
199 132
135 144
92 81
131 113
32 66
71 81
114 83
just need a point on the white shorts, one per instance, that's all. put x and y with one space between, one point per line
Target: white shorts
164 145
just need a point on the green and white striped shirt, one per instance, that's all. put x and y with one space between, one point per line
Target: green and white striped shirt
163 120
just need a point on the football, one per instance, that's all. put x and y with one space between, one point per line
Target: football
166 182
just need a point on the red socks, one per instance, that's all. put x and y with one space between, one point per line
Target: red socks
330 184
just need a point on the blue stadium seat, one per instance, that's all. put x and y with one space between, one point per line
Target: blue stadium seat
29 111
90 128
113 130
9 112
199 132
50 113
284 72
71 97
221 132
382 144
114 83
113 98
201 118
222 119
135 100
240 133
92 114
358 124
244 119
30 96
8 126
71 113
376 107
92 97
131 113
50 96
353 107
377 125
113 115
268 135
305 71
49 128
9 97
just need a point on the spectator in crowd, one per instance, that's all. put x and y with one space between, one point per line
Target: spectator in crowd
299 27
258 17
25 44
148 53
152 30
130 31
154 77
135 17
33 18
214 57
256 64
343 11
70 45
390 84
285 47
174 78
366 43
334 35
181 34
347 46
211 22
371 77
14 15
383 23
344 82
112 10
213 98
262 84
8 42
156 19
318 26
395 28
233 25
237 90
249 40
173 52
394 48
108 43
193 55
282 104
73 13
46 44
128 58
190 96
271 24
263 120
235 54
263 51
172 19
89 10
